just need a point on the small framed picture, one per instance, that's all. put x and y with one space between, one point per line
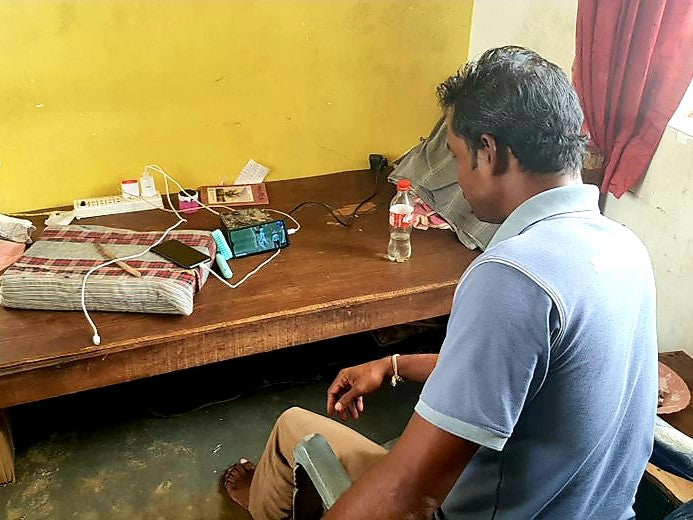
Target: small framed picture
240 195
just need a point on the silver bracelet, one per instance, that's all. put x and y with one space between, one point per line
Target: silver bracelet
396 378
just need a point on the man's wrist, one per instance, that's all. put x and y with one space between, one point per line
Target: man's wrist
388 367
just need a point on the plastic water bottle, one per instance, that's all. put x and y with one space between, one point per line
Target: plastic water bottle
401 220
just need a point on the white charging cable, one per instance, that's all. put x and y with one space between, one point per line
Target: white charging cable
96 338
211 207
290 231
251 273
167 177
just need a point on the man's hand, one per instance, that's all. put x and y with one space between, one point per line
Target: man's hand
345 395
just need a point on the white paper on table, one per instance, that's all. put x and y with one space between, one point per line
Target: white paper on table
60 218
252 173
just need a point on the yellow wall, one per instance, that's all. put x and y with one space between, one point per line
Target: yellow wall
91 91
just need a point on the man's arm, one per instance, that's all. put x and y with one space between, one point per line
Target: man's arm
412 480
415 367
345 395
495 356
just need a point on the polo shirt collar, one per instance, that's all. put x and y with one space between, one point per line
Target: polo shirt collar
557 201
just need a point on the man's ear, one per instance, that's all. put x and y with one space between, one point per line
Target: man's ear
494 154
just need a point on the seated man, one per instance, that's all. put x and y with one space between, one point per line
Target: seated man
542 400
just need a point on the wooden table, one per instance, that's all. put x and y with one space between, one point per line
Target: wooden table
331 281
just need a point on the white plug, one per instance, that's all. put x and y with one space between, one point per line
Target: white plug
147 185
96 339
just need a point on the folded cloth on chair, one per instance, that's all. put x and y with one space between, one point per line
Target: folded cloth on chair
672 450
50 273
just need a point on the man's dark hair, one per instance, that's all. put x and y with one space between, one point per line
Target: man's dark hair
525 102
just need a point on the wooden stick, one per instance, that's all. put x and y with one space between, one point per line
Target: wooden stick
125 267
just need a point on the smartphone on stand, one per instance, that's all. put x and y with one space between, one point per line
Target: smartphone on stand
258 238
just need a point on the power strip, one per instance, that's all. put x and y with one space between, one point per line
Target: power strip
99 206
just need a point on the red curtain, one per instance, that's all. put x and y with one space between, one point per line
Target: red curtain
633 63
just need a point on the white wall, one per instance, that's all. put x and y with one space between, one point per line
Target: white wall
546 26
660 212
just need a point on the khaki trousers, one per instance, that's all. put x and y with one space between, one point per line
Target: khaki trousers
271 493
6 450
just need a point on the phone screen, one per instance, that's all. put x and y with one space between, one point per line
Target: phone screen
259 238
180 254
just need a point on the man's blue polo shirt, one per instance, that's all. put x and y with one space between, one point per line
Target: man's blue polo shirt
550 365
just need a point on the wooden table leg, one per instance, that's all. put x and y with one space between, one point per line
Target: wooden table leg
6 450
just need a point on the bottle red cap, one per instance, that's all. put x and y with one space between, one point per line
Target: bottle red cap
403 185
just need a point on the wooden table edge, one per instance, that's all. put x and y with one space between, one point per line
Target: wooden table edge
144 341
169 353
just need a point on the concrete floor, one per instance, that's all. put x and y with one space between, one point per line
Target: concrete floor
155 449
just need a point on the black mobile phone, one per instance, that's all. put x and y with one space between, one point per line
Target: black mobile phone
180 254
258 238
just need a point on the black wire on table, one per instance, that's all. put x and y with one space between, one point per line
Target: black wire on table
341 220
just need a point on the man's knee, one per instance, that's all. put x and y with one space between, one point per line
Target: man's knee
293 421
291 416
292 426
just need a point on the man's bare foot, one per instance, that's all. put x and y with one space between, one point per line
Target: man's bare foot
236 482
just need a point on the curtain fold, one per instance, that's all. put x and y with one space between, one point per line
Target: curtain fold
633 63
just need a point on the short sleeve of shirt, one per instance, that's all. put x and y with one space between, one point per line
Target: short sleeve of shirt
494 357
